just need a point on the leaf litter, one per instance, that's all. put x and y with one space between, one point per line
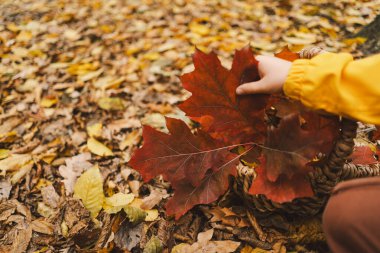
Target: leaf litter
69 67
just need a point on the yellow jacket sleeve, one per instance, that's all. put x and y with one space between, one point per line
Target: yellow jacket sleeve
338 84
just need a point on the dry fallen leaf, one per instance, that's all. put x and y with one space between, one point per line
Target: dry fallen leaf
117 201
98 148
154 198
73 169
109 104
116 63
89 188
13 163
205 245
95 130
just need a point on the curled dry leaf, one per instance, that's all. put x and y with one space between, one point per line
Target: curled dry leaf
73 169
50 196
42 226
154 198
5 189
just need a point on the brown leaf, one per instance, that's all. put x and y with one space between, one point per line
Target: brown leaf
42 226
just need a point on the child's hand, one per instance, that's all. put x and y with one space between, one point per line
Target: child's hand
273 72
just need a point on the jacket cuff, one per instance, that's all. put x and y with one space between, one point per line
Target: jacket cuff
295 80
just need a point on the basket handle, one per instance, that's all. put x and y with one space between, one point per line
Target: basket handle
343 147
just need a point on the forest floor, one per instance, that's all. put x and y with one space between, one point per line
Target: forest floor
78 79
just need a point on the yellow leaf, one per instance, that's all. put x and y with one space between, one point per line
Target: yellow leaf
89 188
48 102
13 27
48 158
357 40
4 153
152 56
42 182
20 51
199 28
98 148
25 169
64 229
108 82
117 201
80 68
249 249
24 36
132 50
134 214
137 202
90 75
152 215
301 39
14 162
182 247
131 139
43 249
107 103
8 137
28 86
95 130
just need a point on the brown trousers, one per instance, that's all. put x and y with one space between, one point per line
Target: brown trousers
351 220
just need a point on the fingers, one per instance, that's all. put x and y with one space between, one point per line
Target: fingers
260 86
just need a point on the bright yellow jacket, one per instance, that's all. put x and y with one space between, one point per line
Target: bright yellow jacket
338 84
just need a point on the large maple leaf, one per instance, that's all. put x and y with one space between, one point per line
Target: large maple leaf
196 165
214 103
286 155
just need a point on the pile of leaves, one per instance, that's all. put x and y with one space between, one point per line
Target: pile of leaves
282 136
79 77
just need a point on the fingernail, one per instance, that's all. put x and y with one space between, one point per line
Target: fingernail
238 91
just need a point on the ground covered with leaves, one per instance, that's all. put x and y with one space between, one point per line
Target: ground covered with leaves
80 78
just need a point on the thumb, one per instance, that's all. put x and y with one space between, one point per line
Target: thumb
253 87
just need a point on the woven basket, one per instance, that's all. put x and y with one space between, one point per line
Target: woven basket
323 179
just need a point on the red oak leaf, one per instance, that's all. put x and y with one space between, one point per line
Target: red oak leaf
197 166
284 188
214 103
363 155
375 135
299 137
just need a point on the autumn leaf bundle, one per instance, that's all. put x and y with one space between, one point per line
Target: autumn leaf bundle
280 136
